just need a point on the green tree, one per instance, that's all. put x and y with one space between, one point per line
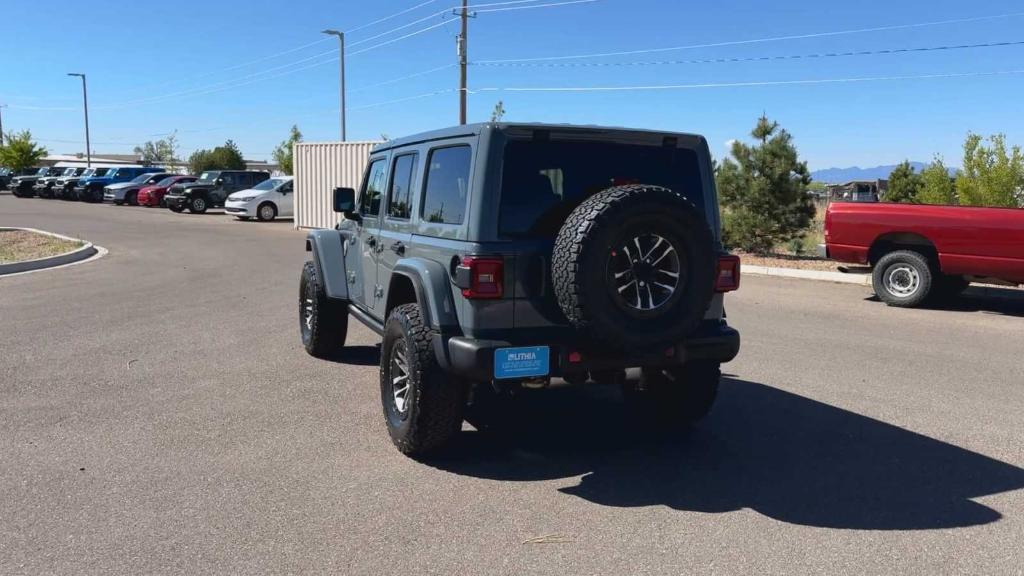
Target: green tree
226 157
284 154
904 185
764 191
936 185
991 175
20 152
159 151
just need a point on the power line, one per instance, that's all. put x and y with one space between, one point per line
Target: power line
752 58
393 40
656 87
402 27
406 99
757 40
552 4
386 18
402 78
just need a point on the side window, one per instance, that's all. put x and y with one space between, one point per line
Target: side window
444 198
287 188
373 188
400 195
229 179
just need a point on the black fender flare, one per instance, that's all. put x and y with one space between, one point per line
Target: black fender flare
329 259
433 290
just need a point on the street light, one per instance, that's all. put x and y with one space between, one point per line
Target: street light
341 40
85 102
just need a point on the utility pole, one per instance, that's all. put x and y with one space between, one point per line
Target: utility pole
341 40
85 103
2 106
463 46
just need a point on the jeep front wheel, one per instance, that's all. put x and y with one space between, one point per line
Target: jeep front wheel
197 205
422 406
323 323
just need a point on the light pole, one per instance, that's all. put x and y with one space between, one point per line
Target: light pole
2 106
341 40
85 102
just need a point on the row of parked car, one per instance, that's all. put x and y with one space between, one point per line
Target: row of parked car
243 194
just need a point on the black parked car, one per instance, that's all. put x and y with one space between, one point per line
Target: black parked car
211 190
24 186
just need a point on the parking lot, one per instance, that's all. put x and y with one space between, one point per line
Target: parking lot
158 414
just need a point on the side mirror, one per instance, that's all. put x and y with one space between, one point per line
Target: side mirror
345 201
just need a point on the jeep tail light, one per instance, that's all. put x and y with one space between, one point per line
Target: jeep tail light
481 278
727 277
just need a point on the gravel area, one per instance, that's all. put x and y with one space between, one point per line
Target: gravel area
788 261
20 245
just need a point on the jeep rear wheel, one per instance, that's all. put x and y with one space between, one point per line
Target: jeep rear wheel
633 266
423 407
323 323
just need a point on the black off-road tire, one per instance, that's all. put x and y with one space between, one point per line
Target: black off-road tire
674 397
589 239
323 322
434 402
893 268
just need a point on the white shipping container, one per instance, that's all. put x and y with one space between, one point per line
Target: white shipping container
320 168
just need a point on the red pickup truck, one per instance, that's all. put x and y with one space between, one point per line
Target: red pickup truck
917 251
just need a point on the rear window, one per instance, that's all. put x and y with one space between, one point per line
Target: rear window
542 182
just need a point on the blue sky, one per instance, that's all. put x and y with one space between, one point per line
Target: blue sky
208 70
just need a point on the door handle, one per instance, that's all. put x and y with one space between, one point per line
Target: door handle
398 248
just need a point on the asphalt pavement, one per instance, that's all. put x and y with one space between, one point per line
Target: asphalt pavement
159 415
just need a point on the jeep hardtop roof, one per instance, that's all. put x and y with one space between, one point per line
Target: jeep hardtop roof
476 129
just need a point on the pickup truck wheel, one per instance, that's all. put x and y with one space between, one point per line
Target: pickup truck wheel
197 205
633 266
423 407
903 279
323 323
675 396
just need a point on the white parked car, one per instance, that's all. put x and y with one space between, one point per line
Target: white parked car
265 201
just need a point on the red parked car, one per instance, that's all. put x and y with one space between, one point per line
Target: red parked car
154 195
918 251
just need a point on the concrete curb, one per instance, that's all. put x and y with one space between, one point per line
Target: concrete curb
837 277
86 252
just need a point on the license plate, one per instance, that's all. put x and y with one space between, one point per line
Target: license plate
522 362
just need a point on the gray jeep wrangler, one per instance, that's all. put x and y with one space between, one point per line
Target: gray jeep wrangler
493 256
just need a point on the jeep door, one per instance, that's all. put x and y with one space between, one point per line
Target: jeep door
396 230
367 246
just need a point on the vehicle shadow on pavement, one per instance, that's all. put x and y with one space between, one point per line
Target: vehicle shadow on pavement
985 299
788 457
357 356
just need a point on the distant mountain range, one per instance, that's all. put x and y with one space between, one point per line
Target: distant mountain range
842 175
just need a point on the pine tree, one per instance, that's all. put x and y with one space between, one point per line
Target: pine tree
764 191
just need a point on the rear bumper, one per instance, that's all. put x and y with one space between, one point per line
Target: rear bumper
823 251
473 359
176 201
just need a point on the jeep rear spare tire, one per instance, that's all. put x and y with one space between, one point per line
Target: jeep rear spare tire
634 266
